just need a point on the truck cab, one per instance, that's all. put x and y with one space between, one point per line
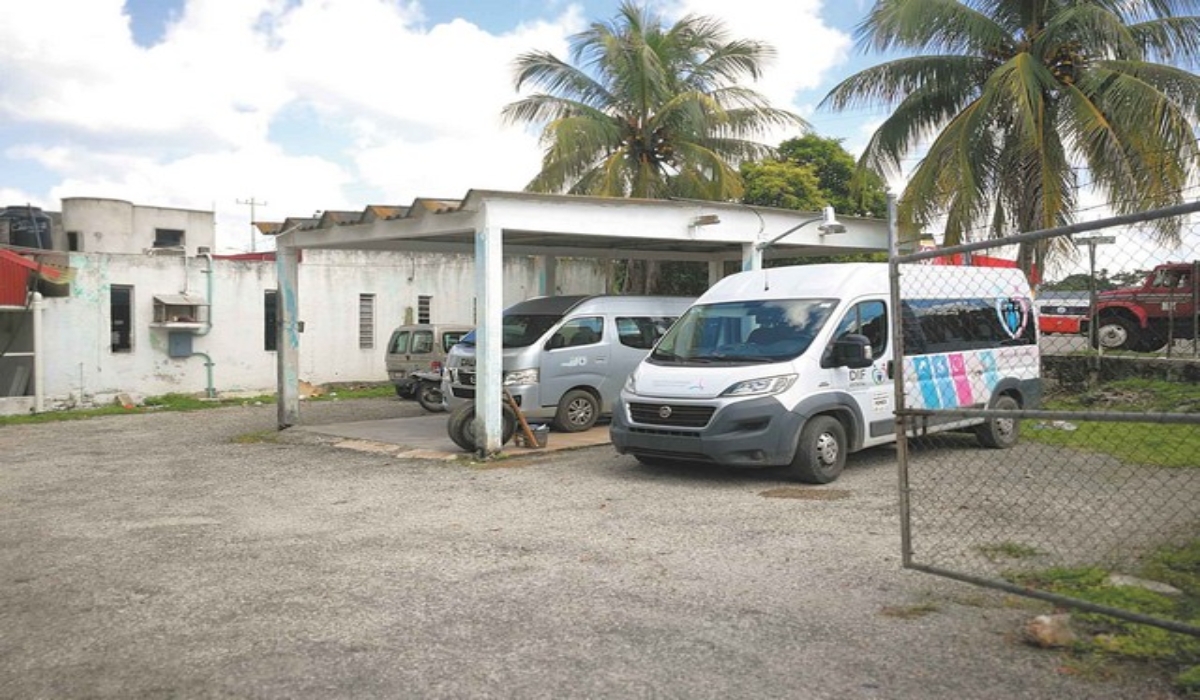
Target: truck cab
1146 318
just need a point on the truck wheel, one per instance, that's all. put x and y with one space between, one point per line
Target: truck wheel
1000 433
461 426
821 453
1115 333
577 411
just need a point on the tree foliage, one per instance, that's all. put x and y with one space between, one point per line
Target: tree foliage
647 110
1019 103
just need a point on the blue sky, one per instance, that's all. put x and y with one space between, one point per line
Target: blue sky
307 105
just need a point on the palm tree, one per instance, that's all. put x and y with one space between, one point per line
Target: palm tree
646 110
1028 100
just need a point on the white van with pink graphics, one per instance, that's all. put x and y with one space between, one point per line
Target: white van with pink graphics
793 366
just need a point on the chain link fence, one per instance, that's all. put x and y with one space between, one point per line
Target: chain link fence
1084 488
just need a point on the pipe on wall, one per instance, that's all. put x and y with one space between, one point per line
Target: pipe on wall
210 389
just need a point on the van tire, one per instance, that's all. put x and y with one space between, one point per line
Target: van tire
1000 433
821 451
577 411
461 426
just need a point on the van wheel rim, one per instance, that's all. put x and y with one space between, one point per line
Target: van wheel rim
579 412
827 449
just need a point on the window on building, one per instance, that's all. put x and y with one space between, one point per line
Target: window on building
167 238
424 302
73 241
366 321
270 320
120 301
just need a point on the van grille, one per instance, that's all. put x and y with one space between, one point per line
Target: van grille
677 416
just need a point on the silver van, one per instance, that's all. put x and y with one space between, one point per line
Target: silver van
565 358
419 347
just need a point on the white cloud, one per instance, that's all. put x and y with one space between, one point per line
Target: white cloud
404 109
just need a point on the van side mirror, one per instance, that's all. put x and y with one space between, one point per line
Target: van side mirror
853 351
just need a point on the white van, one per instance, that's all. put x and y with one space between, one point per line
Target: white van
792 366
565 358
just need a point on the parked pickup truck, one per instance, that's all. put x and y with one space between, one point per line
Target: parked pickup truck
1146 318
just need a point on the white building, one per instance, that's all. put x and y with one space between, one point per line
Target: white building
151 311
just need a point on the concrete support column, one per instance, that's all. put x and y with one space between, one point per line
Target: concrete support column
751 257
489 290
287 335
546 267
716 270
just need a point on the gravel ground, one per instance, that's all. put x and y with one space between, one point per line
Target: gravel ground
155 556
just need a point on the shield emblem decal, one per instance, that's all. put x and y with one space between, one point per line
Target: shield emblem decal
1014 314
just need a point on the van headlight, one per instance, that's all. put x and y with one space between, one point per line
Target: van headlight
766 386
519 377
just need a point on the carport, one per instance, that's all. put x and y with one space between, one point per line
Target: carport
492 224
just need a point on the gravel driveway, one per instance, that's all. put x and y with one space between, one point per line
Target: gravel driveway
155 556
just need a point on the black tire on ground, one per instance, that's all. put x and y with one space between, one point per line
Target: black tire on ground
1116 333
429 395
461 426
577 411
1000 433
821 452
402 393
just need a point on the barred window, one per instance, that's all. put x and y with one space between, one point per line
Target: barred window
366 321
424 302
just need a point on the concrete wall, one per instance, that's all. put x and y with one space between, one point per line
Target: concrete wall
81 368
117 226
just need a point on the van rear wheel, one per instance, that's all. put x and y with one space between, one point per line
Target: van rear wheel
1000 433
821 452
577 411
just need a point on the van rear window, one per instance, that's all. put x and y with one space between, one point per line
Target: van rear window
954 325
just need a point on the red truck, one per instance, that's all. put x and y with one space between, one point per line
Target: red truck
1146 318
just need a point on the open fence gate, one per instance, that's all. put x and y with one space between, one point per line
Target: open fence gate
1102 489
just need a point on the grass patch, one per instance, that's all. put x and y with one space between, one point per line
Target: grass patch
1007 550
257 437
908 612
1109 637
194 402
1146 443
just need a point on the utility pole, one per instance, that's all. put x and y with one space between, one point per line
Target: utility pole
252 203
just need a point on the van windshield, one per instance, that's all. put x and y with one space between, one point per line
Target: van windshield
520 330
744 332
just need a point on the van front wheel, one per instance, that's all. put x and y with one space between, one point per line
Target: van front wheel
821 452
1000 433
577 411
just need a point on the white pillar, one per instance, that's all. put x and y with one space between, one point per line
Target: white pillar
287 335
39 362
489 290
546 268
716 270
751 257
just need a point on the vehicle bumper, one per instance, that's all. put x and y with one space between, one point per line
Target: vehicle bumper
749 433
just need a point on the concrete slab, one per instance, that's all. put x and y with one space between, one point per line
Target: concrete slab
425 437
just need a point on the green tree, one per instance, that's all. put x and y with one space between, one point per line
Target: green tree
845 187
782 184
1019 103
647 110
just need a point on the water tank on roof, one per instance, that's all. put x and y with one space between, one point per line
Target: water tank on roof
28 227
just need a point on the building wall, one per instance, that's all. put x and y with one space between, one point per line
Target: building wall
82 369
117 226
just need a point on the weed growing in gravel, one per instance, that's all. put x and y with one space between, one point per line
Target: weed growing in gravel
1007 550
1114 638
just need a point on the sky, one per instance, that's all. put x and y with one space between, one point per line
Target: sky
301 106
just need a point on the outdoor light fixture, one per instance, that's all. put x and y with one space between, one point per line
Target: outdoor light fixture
828 224
706 220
